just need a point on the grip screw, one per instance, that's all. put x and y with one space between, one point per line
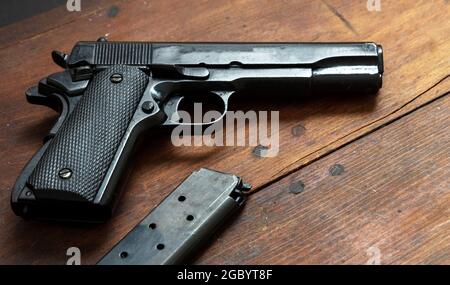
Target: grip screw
116 78
148 106
65 173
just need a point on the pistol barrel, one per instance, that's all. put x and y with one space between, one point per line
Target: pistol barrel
336 67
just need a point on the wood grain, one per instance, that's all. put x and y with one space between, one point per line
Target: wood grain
415 41
388 191
46 23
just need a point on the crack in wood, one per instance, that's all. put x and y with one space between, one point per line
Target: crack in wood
284 172
341 17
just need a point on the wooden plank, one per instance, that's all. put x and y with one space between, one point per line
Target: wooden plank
45 23
416 58
388 192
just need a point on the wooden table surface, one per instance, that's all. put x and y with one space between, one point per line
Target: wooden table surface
355 178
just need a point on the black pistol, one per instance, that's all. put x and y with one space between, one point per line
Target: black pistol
110 93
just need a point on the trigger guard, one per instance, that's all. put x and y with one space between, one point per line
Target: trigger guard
171 108
224 96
